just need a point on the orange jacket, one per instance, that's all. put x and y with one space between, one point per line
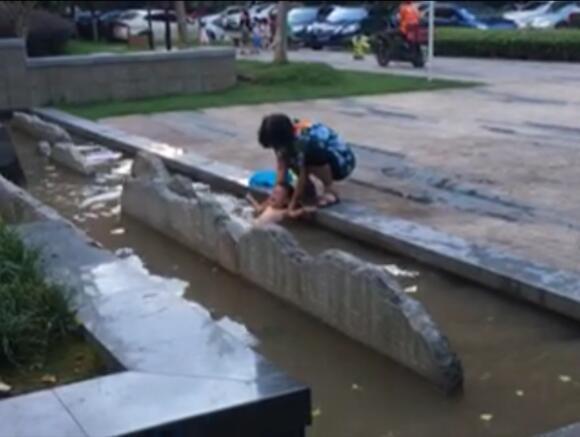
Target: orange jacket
410 17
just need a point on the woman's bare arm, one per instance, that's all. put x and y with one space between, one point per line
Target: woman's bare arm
281 171
299 190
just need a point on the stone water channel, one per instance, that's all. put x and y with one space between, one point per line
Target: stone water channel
521 372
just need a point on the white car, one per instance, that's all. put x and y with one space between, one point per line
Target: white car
264 11
524 16
231 17
558 16
136 22
211 25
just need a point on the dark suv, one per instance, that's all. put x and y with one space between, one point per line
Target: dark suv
345 22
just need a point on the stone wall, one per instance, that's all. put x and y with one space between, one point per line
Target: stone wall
359 299
78 79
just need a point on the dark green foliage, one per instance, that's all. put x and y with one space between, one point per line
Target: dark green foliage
33 314
545 45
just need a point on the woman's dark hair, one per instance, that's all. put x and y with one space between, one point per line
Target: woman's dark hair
288 187
277 132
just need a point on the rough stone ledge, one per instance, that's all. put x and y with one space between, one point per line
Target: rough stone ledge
159 339
549 288
359 299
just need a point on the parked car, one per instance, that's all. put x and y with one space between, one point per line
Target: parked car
343 23
136 22
231 17
84 23
212 26
558 15
299 19
452 15
524 16
107 21
263 11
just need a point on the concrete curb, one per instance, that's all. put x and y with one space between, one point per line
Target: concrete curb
549 288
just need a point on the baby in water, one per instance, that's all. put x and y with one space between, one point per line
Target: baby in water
275 209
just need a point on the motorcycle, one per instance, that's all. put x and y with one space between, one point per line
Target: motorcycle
392 45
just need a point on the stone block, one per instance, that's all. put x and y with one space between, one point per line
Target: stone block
39 129
145 201
182 186
149 167
271 258
229 232
37 415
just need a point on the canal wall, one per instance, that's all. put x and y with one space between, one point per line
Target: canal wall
359 299
25 83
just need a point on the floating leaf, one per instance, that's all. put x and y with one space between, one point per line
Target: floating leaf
486 417
565 379
316 413
356 387
4 388
49 379
118 231
397 271
412 290
520 393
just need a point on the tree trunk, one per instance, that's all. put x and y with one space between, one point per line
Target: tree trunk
94 22
150 38
281 43
181 14
168 37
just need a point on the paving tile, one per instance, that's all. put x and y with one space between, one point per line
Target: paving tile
37 415
130 402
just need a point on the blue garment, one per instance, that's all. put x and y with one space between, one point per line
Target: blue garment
318 145
267 179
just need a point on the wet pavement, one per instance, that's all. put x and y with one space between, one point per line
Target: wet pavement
521 367
491 164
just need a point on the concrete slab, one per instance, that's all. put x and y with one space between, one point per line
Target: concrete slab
158 403
568 431
37 415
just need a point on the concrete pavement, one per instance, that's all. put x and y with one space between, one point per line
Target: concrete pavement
493 164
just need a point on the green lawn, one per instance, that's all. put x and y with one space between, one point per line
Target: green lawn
81 47
266 83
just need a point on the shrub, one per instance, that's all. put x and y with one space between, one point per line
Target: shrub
545 45
33 314
48 33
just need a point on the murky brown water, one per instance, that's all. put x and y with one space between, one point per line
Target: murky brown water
521 364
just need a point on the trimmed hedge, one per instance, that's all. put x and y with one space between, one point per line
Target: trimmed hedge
48 33
544 45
